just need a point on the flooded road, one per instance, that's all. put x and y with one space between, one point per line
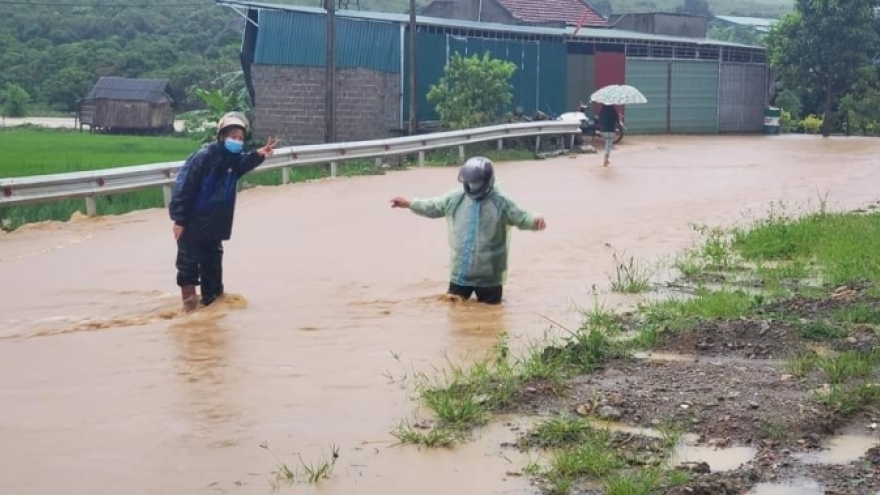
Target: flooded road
103 388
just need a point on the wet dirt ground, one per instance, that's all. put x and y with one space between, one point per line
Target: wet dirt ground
103 387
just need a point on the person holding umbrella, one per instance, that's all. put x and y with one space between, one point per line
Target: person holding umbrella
609 119
610 97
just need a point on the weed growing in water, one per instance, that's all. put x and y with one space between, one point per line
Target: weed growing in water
561 431
431 437
689 263
642 482
716 251
312 473
630 276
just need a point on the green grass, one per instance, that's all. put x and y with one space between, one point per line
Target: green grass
311 473
38 152
630 276
847 400
461 398
34 151
820 330
583 452
708 304
848 365
841 244
859 314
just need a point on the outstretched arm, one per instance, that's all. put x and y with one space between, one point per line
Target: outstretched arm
256 158
521 219
425 207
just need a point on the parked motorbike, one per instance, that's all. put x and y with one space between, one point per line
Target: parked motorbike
589 123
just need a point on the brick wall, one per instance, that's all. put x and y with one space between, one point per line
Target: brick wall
290 103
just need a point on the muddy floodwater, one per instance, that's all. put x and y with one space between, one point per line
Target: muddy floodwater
104 388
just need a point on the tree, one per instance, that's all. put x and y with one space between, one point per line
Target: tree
473 91
14 100
822 45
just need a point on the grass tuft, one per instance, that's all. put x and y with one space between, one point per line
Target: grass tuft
630 276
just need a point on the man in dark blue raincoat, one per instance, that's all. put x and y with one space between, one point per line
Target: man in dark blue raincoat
203 205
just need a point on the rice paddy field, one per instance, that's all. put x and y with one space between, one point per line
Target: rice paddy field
29 151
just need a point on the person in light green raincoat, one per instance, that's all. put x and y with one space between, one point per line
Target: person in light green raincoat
479 218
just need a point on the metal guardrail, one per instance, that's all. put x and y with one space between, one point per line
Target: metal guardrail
91 184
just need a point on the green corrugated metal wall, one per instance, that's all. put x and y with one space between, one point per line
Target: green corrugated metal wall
651 78
695 97
538 83
694 105
581 79
299 39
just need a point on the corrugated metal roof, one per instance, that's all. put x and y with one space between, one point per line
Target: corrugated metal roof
297 39
121 88
585 33
569 12
748 21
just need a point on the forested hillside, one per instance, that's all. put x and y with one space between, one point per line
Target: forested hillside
56 49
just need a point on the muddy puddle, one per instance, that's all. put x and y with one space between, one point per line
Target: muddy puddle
841 449
103 386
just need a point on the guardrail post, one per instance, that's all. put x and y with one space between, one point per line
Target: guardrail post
334 169
537 144
421 158
166 195
500 144
91 206
573 136
461 153
285 175
379 162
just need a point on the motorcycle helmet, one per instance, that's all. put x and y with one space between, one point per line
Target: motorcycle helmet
477 175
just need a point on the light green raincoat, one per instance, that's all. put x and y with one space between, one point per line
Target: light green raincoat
479 233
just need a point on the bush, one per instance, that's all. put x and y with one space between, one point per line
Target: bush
14 100
812 124
473 91
787 121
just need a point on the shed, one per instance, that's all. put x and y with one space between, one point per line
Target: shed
693 85
118 104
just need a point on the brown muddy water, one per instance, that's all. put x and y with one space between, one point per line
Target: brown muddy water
104 389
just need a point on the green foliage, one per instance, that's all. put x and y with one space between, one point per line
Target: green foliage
822 46
57 53
841 244
789 101
230 95
812 124
14 100
473 91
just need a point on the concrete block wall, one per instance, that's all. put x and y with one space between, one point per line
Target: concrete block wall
290 103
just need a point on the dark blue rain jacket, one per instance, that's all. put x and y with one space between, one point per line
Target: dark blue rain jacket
203 201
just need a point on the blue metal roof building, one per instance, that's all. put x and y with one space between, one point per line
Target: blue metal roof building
555 66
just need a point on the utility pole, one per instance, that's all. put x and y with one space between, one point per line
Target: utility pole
330 104
413 119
